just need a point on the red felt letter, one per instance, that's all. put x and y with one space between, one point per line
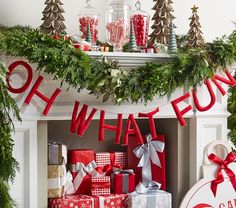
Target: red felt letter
230 205
78 123
212 94
231 81
135 130
179 113
221 205
151 121
103 126
29 77
35 91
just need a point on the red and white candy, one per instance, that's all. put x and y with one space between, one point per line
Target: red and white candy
117 30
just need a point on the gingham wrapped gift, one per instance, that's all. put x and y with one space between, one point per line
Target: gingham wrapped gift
100 186
107 161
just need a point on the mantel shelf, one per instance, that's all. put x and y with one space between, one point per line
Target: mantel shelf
131 60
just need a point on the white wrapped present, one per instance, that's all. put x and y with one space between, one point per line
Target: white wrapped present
158 199
149 196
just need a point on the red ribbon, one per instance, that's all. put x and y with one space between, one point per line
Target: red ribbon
100 185
223 165
108 169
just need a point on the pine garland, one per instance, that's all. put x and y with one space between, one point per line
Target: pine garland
8 164
58 57
5 199
232 117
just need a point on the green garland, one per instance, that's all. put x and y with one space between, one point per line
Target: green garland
8 164
232 118
58 57
188 68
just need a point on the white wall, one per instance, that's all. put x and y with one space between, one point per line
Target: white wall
216 16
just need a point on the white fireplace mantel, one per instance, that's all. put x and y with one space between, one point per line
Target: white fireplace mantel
31 135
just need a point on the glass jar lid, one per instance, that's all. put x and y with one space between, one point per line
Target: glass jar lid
113 4
89 9
138 10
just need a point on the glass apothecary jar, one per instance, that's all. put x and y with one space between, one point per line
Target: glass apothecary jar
88 22
140 21
117 23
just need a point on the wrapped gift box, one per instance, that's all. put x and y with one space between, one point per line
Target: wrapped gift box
57 154
56 174
160 199
100 185
158 173
84 201
123 182
80 160
107 160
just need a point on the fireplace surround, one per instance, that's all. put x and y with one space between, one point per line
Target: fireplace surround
184 145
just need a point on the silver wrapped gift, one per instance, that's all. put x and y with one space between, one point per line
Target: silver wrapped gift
157 199
57 154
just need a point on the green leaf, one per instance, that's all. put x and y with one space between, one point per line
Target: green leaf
106 97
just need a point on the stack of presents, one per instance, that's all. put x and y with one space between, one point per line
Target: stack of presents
83 178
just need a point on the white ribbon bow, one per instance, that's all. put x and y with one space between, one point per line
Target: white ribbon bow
147 153
83 171
153 186
68 184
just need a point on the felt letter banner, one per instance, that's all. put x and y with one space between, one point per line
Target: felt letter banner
29 77
231 81
135 130
179 113
35 91
78 123
213 98
151 121
103 126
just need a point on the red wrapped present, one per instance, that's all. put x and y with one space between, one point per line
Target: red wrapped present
100 186
84 201
123 181
82 167
148 160
106 161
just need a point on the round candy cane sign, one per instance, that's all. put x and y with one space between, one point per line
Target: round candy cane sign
201 196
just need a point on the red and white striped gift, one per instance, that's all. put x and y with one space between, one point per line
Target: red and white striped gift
106 158
100 186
